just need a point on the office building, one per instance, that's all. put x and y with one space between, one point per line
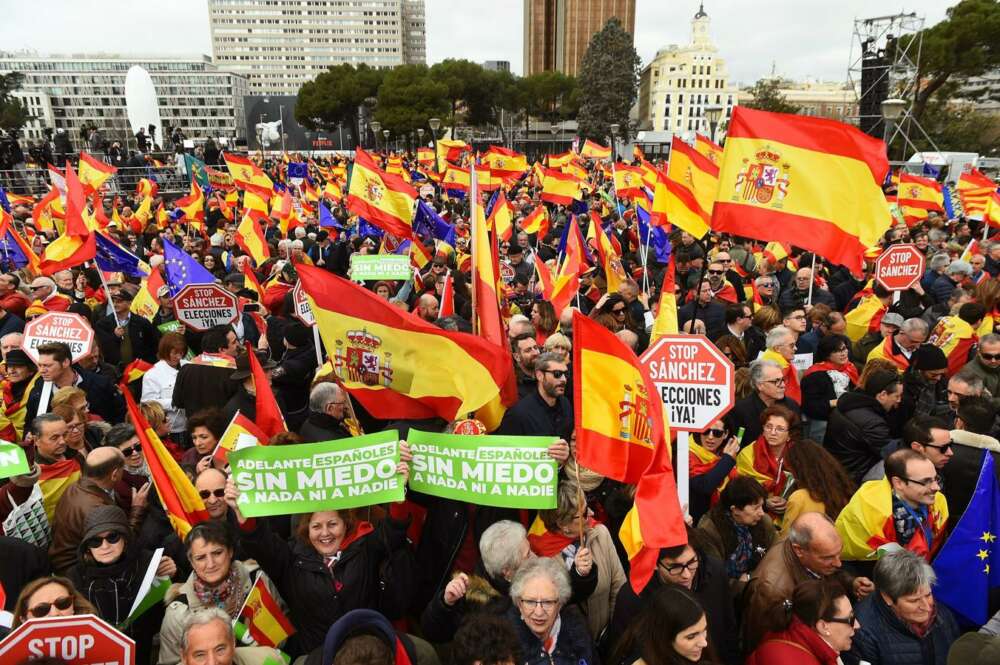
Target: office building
280 44
557 32
819 99
497 65
70 92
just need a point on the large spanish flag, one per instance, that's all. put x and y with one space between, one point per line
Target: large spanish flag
94 173
456 178
383 199
666 316
398 365
955 338
811 182
266 623
688 190
560 188
77 244
592 150
53 480
628 181
245 171
974 189
866 317
449 150
250 236
505 163
179 498
917 197
708 148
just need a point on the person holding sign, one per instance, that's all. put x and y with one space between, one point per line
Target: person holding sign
332 564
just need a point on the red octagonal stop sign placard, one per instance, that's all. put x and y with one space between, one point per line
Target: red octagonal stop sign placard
203 306
899 267
71 329
694 379
77 640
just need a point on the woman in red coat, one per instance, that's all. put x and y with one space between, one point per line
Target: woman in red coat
821 626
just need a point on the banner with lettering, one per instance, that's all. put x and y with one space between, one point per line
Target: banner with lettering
13 461
500 471
332 475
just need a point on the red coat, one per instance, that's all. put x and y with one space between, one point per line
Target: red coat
797 645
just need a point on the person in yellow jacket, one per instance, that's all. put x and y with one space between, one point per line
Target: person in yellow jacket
906 507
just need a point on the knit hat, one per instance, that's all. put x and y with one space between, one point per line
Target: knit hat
101 520
928 357
18 358
297 335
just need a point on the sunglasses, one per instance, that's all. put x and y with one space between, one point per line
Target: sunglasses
716 432
131 450
716 272
219 493
990 356
849 620
42 609
556 373
618 311
95 542
944 449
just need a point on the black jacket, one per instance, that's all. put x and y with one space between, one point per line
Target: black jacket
961 473
10 323
713 314
817 392
144 337
316 595
886 640
856 433
102 395
573 644
531 416
746 413
321 427
202 386
291 380
20 563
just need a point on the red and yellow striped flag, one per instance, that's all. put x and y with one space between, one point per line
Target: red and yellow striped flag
628 181
917 197
708 148
383 199
560 188
53 481
974 189
94 173
501 220
179 498
146 303
592 150
814 183
666 316
244 171
689 189
263 618
505 163
77 244
614 273
537 222
250 236
456 178
193 206
134 371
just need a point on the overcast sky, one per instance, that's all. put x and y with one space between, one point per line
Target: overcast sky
803 38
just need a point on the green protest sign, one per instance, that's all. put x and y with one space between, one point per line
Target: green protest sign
12 460
333 475
379 266
501 471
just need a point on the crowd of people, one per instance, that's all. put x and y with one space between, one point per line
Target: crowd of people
849 402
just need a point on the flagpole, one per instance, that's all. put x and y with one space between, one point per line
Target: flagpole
107 289
812 279
474 194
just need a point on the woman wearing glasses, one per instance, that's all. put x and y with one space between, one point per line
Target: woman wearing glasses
765 459
50 597
75 428
712 461
831 375
821 626
549 633
109 574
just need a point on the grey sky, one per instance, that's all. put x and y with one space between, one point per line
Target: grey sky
802 37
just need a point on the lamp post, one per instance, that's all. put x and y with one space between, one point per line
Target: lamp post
615 127
420 136
376 126
385 142
893 110
435 125
713 114
554 130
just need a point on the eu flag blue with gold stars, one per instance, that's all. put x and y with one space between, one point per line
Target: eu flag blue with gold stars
968 565
181 269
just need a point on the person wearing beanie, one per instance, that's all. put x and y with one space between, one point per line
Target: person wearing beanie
925 386
291 379
859 426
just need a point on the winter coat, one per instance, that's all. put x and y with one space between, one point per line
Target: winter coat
291 380
322 427
20 563
71 512
199 387
719 540
885 639
857 431
102 395
142 335
989 375
797 645
746 413
961 473
941 288
573 644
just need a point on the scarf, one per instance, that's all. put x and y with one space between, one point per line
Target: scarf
847 368
701 460
551 543
227 595
791 376
887 350
739 561
765 463
907 520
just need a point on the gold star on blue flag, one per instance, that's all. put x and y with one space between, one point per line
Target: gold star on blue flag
181 269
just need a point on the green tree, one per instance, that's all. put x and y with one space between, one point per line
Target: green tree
13 114
467 88
767 97
409 96
955 127
609 82
966 43
549 96
334 96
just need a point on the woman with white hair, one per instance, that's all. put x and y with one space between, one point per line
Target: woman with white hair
550 633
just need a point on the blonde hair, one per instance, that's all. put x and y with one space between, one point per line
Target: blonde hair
67 395
557 340
153 413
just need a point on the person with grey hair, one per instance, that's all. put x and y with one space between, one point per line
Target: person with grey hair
986 363
768 288
207 637
47 433
947 282
550 633
901 624
900 347
767 379
936 265
328 410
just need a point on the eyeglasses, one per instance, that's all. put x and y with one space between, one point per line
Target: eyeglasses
842 349
716 432
775 428
556 373
849 620
766 285
678 568
95 542
944 449
925 482
42 609
716 272
75 428
36 288
546 605
132 450
617 311
780 381
219 493
989 356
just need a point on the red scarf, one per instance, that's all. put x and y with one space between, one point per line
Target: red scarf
360 530
698 467
765 463
551 543
847 368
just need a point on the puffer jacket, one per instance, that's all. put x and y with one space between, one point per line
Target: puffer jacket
856 433
886 640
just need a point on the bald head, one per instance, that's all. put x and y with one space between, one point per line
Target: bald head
816 543
566 318
102 463
427 307
630 338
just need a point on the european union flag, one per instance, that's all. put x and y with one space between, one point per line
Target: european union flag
968 565
4 201
182 269
428 224
660 240
11 252
366 229
297 170
112 257
949 206
327 220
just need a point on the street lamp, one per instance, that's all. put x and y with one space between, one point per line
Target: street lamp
385 143
713 114
893 110
435 124
614 140
420 135
554 130
375 125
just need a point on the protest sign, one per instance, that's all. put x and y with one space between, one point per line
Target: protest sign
66 327
379 266
501 471
333 475
13 461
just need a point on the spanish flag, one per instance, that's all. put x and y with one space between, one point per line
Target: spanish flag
94 173
560 160
537 222
628 181
501 220
792 389
398 365
618 412
649 175
505 163
193 206
250 236
815 183
917 197
268 416
666 317
134 371
251 283
614 273
77 244
256 198
456 178
592 150
261 614
245 171
53 481
866 523
383 199
560 188
708 148
241 433
147 187
866 317
179 498
13 411
146 303
955 338
332 191
974 190
425 156
449 150
688 190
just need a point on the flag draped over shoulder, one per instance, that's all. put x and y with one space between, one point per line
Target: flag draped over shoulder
813 182
382 198
955 338
180 500
398 365
968 565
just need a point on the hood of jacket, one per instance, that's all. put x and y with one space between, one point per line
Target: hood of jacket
972 440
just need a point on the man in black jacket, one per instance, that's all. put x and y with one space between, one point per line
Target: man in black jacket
327 411
546 411
123 336
859 428
706 309
56 366
768 383
292 377
204 382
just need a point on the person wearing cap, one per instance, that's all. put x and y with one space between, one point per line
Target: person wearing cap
899 348
515 256
11 298
124 337
859 428
291 378
925 384
165 319
20 375
245 398
45 294
322 251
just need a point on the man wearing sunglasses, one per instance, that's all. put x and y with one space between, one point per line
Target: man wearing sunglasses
928 435
546 411
986 363
971 439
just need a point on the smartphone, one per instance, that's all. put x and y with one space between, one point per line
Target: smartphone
739 434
